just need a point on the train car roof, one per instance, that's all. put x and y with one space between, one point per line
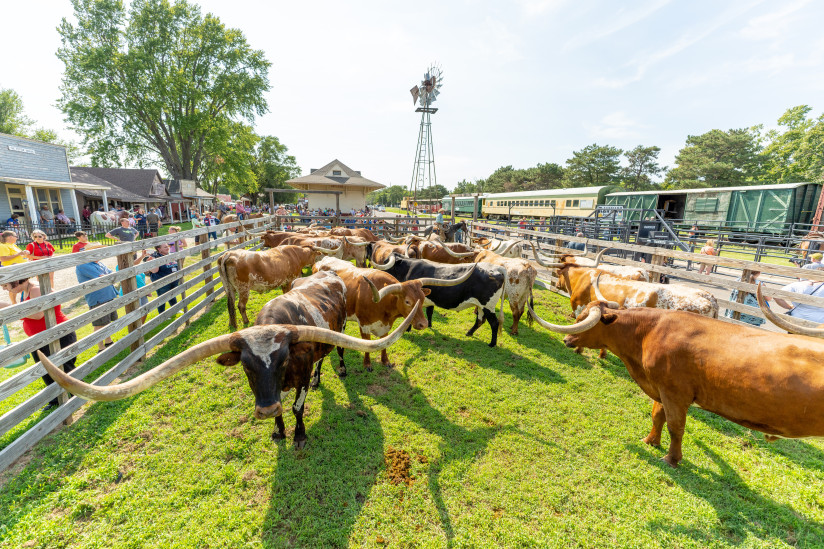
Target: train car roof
449 196
546 192
716 189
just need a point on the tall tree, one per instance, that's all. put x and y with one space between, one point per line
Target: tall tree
796 152
157 82
273 167
593 165
717 159
642 165
12 119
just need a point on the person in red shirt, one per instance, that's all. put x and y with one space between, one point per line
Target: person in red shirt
36 323
40 248
83 242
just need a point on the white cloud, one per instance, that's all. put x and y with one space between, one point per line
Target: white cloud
616 125
619 22
772 25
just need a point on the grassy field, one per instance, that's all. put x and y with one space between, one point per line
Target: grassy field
459 445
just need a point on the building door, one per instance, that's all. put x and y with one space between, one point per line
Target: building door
17 194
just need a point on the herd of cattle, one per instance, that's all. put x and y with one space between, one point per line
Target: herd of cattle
668 336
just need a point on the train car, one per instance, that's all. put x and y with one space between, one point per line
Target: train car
463 205
580 202
755 208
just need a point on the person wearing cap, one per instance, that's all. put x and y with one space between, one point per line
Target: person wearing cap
816 262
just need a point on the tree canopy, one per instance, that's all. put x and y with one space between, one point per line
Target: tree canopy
717 159
161 81
797 153
642 165
273 167
593 165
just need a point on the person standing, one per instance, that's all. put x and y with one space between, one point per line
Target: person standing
162 271
86 215
35 323
210 221
40 248
708 249
86 272
153 222
124 233
140 222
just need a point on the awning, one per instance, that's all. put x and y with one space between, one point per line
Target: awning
52 184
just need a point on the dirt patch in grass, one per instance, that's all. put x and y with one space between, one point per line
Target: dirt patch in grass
398 466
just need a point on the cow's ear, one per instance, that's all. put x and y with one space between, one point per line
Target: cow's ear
608 318
229 359
426 291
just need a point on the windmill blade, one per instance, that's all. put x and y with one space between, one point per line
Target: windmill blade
415 91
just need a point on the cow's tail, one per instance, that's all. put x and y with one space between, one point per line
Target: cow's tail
501 310
230 289
531 305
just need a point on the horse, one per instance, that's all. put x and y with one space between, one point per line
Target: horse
447 232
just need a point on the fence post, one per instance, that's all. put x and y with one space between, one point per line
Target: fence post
128 285
51 321
657 260
204 254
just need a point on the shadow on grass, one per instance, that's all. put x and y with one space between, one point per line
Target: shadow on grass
741 511
62 453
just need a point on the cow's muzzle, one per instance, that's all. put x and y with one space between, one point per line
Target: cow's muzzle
266 412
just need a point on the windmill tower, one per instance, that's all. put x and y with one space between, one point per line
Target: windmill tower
423 172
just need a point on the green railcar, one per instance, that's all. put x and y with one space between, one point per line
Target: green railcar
463 205
756 208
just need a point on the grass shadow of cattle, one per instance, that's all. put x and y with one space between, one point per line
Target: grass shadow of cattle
741 511
317 493
64 453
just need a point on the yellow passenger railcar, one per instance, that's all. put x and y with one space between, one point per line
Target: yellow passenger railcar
580 201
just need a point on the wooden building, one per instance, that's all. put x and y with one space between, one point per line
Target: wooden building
336 176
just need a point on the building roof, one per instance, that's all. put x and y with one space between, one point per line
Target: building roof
549 193
112 191
716 189
49 184
325 177
135 180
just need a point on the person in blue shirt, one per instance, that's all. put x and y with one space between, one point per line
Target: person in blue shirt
89 271
164 270
140 222
802 310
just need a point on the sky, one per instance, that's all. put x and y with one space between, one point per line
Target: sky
525 81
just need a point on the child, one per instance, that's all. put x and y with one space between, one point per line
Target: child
83 242
708 249
176 245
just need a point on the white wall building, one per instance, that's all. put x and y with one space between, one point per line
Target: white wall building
336 176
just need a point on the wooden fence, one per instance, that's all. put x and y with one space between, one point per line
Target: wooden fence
738 270
191 301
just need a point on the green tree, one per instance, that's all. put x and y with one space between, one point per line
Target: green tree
796 152
642 165
12 119
390 196
273 167
593 165
157 82
717 159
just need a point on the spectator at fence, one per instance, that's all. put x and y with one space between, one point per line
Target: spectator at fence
124 233
35 323
803 311
13 222
46 216
140 222
63 218
577 245
140 280
176 245
153 222
83 242
750 300
708 249
10 254
89 271
816 262
40 248
162 271
210 221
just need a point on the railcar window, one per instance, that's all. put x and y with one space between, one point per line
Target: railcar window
575 203
552 203
586 204
569 203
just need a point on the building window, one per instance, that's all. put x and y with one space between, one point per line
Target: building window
16 196
335 172
49 198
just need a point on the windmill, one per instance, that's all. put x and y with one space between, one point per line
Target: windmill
423 172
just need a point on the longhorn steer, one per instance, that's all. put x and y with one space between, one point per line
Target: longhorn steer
243 271
292 332
765 381
440 252
520 277
380 251
365 234
483 289
336 246
626 271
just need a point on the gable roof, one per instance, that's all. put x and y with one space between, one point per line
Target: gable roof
135 180
325 176
112 191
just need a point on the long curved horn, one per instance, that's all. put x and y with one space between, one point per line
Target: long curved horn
452 252
406 252
600 297
330 337
444 282
509 247
783 323
356 244
386 266
591 320
142 382
541 263
378 295
599 256
328 251
394 240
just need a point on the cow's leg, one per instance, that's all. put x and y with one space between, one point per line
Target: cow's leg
489 316
297 409
659 417
385 359
602 354
367 362
676 417
341 364
316 375
479 319
280 429
429 311
517 311
243 297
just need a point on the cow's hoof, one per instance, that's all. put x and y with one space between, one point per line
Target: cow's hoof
493 345
315 383
301 444
276 436
652 441
342 374
367 367
669 460
388 364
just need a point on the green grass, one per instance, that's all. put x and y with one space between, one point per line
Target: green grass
525 445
